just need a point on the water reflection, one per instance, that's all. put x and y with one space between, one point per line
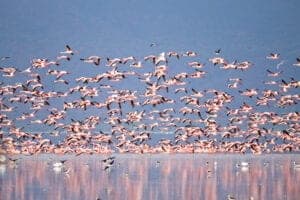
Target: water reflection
181 176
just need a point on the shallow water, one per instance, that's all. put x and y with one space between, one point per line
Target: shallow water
159 176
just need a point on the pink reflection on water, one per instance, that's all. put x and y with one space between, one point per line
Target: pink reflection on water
181 176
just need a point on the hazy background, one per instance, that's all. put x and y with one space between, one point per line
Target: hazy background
243 29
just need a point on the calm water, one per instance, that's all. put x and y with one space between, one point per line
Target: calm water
160 176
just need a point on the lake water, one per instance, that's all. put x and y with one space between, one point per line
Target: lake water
157 176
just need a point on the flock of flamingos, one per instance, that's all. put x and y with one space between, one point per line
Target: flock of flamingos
143 105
